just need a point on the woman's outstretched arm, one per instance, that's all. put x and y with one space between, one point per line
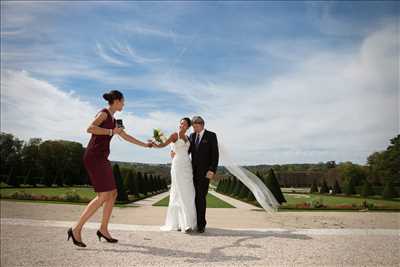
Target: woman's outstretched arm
171 139
133 140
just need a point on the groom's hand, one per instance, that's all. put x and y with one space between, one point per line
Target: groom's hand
172 154
210 175
149 144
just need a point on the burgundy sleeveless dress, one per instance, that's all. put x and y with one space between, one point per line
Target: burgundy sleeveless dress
96 160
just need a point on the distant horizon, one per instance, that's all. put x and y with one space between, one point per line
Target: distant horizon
249 164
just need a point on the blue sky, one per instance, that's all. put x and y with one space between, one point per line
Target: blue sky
279 82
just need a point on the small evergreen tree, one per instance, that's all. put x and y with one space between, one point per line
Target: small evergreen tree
389 191
250 196
219 186
244 191
367 189
314 187
236 187
324 188
159 187
349 188
139 177
151 183
227 185
274 187
232 186
122 195
132 183
336 188
146 184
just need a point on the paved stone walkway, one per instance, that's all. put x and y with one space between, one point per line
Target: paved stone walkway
234 202
148 201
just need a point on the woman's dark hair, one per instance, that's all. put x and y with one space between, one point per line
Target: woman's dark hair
188 121
113 95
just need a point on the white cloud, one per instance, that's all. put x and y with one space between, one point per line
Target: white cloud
330 106
35 108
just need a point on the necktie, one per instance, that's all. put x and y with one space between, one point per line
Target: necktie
197 142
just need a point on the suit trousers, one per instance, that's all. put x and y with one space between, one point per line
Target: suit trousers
201 185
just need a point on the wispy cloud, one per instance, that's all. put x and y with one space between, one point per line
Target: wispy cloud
129 53
147 30
108 58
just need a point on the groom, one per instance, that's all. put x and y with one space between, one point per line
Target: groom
204 152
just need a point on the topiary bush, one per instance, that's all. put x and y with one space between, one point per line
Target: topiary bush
272 183
314 187
389 190
349 188
336 188
122 195
324 188
367 189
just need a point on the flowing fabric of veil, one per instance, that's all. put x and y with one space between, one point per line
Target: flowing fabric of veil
262 194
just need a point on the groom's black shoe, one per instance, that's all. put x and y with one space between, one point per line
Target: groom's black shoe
201 230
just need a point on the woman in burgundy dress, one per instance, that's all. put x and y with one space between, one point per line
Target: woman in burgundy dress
99 167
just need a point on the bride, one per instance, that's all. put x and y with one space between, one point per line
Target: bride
181 213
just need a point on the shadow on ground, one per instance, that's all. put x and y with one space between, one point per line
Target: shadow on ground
215 254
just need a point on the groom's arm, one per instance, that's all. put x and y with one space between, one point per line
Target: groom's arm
214 153
191 145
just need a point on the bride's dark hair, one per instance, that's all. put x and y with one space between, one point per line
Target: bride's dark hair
188 121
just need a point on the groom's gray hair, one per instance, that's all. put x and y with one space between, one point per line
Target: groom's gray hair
197 119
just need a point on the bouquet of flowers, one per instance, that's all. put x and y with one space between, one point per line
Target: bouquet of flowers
158 136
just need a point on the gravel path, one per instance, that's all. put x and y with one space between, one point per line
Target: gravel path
234 202
221 218
42 243
149 201
34 234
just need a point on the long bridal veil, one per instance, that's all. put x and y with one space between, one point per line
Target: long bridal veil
262 194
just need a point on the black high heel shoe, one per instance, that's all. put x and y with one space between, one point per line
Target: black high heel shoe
109 240
76 242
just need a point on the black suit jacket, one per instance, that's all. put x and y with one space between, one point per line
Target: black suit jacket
205 157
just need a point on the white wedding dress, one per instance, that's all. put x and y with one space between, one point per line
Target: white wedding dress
181 213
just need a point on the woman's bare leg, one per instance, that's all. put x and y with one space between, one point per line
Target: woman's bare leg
90 209
107 210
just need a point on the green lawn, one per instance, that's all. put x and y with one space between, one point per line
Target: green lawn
294 199
83 192
212 202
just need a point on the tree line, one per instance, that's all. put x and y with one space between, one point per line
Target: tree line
60 163
50 162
